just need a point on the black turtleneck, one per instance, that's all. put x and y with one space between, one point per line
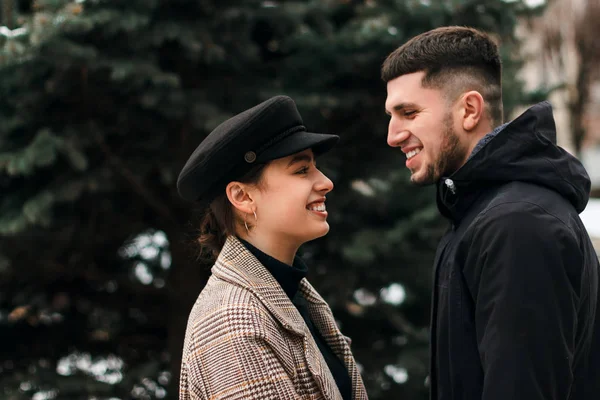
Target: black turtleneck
289 277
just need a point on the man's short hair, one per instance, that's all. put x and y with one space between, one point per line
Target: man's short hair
455 59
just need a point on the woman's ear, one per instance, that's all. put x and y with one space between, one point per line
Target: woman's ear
473 110
240 197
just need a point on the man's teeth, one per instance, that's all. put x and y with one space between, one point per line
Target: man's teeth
317 207
412 153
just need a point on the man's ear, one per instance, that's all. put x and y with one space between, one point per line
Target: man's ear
240 197
473 107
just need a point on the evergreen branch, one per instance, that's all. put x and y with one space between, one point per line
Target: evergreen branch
126 173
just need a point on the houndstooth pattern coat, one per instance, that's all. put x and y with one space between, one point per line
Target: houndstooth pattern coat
246 340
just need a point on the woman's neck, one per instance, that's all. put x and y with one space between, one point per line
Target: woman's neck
280 250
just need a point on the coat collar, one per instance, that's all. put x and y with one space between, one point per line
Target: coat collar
237 265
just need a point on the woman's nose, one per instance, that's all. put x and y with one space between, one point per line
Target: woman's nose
324 184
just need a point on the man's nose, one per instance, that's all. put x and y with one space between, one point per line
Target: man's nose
397 134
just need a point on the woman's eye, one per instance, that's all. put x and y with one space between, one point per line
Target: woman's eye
302 170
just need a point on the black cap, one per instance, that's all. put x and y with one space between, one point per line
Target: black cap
273 129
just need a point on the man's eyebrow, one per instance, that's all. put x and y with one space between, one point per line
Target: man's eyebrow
300 158
402 106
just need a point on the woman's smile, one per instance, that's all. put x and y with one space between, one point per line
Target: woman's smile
318 207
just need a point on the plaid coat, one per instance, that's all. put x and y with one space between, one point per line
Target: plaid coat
246 340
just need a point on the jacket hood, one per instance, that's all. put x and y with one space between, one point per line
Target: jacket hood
523 150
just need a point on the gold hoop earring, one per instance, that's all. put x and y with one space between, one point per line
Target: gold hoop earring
246 223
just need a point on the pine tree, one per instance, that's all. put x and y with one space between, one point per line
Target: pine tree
102 102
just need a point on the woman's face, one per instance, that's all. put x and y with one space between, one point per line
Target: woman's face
290 202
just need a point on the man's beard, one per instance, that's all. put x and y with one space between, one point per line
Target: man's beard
450 158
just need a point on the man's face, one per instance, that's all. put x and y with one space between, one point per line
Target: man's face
422 125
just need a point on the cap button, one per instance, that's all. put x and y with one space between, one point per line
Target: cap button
250 157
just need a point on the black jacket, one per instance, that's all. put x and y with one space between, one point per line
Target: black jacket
515 303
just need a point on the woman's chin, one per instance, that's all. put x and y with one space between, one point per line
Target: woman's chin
320 232
310 235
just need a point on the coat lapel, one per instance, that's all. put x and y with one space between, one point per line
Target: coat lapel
322 317
237 265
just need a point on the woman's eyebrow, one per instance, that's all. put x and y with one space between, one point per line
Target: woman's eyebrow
300 158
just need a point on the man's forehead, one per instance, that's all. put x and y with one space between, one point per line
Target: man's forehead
412 79
407 89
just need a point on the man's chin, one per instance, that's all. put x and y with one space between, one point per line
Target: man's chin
420 180
420 183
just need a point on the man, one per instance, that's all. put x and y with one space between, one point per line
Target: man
515 297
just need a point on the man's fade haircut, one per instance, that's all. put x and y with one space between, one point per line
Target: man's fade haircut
455 60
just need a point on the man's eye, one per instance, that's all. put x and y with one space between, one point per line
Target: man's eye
409 113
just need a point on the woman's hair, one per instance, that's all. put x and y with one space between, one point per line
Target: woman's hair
219 219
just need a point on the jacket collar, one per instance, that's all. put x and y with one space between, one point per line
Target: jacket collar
522 150
239 266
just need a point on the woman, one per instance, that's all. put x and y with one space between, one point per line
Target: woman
259 330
